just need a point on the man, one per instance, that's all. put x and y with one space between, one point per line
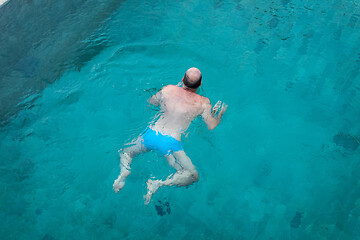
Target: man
180 106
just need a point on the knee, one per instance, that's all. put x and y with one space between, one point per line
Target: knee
128 152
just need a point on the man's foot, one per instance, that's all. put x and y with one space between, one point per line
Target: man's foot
118 184
152 187
125 161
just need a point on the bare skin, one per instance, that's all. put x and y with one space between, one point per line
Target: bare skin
179 107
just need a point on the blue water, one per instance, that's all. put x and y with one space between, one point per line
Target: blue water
283 163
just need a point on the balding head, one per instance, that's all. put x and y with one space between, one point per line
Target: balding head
192 78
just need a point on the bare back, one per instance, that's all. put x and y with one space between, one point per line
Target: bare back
179 108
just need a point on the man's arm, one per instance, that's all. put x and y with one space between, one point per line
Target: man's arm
209 116
155 99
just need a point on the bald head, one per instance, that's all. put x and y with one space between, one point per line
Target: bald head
192 78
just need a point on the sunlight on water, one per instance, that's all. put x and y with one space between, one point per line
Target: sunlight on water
283 163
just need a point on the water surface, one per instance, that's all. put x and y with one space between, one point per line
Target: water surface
283 163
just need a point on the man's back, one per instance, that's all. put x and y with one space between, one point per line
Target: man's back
179 107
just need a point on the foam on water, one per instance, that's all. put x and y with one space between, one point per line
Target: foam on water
283 164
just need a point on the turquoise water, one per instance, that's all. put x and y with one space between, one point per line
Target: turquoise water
283 163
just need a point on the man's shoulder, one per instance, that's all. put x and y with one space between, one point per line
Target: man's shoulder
170 87
205 100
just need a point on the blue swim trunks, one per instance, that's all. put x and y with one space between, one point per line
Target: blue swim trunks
154 140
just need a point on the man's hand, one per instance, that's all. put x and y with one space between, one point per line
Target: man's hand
219 109
212 116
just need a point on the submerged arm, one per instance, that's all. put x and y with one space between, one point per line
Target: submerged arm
210 117
155 99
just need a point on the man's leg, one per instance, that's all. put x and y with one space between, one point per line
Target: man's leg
185 175
126 155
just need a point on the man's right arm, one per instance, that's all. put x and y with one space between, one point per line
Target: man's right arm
155 99
158 97
209 116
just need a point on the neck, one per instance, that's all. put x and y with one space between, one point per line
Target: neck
189 89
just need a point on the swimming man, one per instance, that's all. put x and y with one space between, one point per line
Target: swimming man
180 106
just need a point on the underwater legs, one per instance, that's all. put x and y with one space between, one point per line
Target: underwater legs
126 157
185 175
